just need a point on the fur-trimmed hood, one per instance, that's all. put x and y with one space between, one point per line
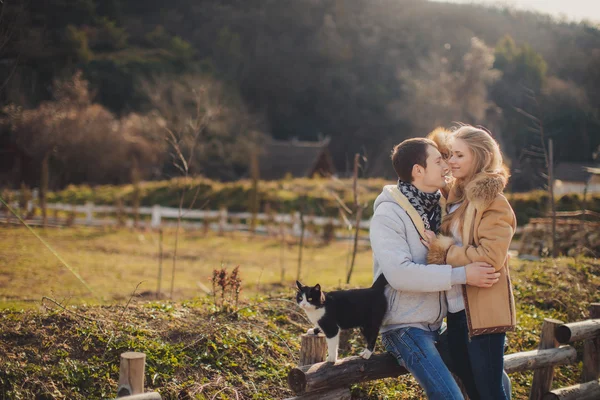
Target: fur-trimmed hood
484 188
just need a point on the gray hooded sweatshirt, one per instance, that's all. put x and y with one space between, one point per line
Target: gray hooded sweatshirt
416 291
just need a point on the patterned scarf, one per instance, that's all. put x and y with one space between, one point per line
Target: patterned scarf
426 204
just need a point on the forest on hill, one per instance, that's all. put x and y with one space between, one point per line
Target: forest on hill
91 88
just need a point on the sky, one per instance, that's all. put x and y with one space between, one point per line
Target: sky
573 10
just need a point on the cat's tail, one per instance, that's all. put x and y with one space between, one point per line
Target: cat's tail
380 283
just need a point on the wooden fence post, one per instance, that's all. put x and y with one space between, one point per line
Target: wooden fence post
155 221
89 210
542 377
205 225
222 220
236 225
71 216
296 222
591 351
131 374
313 349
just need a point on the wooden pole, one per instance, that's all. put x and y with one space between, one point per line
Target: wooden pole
120 212
131 374
282 250
300 245
551 190
44 187
136 194
358 211
542 378
160 259
583 391
313 349
591 351
222 221
254 200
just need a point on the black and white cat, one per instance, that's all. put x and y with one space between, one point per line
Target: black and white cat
344 309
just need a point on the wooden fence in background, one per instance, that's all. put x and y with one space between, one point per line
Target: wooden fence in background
221 221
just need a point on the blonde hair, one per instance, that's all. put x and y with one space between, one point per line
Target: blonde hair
487 159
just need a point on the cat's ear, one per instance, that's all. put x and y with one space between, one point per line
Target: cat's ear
299 285
318 287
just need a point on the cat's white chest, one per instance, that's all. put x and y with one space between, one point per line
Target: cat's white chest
315 315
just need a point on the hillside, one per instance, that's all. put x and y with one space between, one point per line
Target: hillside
367 74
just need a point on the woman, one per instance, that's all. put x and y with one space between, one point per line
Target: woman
479 226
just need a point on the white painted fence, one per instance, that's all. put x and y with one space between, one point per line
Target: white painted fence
217 220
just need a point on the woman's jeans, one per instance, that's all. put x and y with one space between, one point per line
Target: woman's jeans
481 372
415 349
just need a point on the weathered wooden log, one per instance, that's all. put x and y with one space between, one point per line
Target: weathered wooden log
343 373
313 349
591 351
582 391
568 333
542 377
131 374
347 371
534 359
143 396
335 394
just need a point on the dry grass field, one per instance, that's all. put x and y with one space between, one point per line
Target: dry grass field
113 262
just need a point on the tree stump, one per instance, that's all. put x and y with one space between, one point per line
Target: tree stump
131 374
313 349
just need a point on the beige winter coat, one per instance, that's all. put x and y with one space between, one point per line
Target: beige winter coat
489 225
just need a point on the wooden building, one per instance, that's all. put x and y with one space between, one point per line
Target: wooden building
294 158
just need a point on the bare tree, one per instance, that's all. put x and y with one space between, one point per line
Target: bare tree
546 152
82 140
229 132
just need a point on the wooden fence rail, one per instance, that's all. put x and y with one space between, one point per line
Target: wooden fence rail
575 331
329 380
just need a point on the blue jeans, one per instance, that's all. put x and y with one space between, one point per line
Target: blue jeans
478 361
415 349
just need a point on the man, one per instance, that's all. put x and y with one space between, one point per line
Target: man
416 292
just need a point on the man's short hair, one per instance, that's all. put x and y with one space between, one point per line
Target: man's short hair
408 153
